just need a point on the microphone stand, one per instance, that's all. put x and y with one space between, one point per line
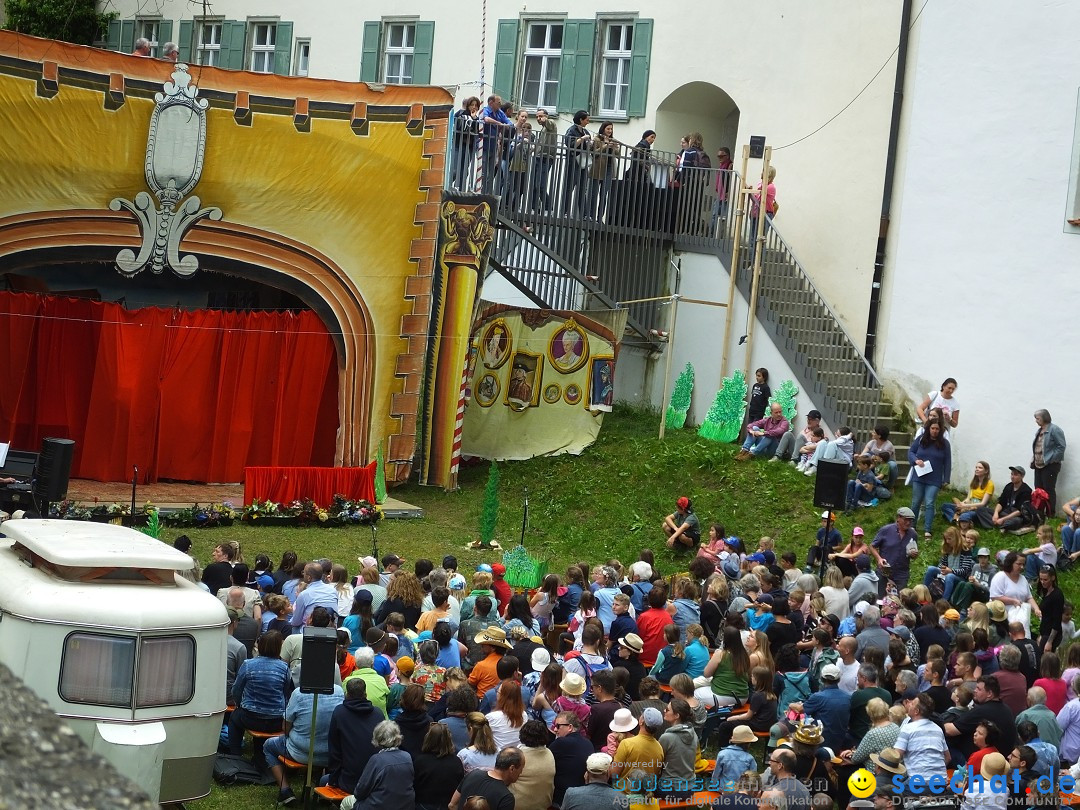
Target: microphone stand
524 517
374 543
134 484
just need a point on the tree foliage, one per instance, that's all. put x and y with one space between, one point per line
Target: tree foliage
75 21
489 517
724 420
786 394
680 399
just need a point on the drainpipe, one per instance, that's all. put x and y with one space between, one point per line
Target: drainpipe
890 173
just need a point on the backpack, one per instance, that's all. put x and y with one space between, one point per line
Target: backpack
830 655
1039 511
230 770
589 670
796 689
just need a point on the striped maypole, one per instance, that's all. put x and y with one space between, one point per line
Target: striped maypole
479 185
455 450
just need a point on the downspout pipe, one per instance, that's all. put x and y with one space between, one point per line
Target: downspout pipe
887 192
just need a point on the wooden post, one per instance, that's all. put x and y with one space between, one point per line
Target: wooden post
758 255
739 198
667 360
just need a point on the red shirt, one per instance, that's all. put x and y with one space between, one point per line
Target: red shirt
651 624
1056 693
502 594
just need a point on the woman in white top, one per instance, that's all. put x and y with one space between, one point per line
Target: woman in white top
942 399
1010 587
509 715
482 750
836 595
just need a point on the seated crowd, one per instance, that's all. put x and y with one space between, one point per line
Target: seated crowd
610 682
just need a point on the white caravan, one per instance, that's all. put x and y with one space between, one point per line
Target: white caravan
96 620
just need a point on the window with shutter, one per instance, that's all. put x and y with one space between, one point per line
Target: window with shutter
208 42
615 69
541 64
641 54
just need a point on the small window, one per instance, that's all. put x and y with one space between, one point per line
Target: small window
208 44
97 669
615 69
148 30
543 58
166 671
303 54
400 44
263 43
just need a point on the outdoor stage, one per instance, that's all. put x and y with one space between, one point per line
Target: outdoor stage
181 496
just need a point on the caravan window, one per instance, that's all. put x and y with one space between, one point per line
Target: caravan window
100 669
97 669
166 671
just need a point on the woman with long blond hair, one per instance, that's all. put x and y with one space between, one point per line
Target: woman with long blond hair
482 749
404 595
757 644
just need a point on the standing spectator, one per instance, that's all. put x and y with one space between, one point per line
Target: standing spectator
547 139
895 545
521 165
501 587
1052 605
931 461
1008 513
466 127
763 435
577 141
605 152
170 52
1048 449
759 396
1068 720
493 122
942 400
723 187
771 207
142 47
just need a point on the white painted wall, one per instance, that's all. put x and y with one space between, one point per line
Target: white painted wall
789 66
982 279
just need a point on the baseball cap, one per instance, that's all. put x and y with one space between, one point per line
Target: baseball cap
652 718
599 763
862 562
265 582
770 558
905 512
683 502
540 659
860 607
858 531
983 552
952 614
910 694
814 413
457 582
498 569
484 567
764 599
756 557
1019 470
830 672
900 631
363 595
827 515
405 665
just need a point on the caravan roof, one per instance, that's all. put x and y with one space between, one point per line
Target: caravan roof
79 544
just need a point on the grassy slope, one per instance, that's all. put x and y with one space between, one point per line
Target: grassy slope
608 502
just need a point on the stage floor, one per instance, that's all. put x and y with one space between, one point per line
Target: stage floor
181 496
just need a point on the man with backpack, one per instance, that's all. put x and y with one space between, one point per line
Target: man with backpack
588 661
1047 452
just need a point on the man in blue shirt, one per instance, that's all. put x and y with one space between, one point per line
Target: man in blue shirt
316 593
493 121
831 707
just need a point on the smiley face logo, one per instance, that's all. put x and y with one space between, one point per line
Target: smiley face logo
861 783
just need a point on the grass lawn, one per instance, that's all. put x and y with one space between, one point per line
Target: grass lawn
607 502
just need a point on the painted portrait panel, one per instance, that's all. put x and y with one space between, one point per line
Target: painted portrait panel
526 372
602 383
495 344
569 348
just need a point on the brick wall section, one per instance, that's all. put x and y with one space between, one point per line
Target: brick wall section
410 364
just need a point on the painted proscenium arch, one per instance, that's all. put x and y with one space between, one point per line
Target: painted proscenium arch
242 251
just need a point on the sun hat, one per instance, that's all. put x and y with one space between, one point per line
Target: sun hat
993 764
368 561
405 665
809 732
495 636
830 672
742 735
857 532
632 642
952 614
997 610
540 659
375 638
889 760
598 763
623 720
572 684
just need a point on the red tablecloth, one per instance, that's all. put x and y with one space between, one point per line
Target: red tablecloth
287 484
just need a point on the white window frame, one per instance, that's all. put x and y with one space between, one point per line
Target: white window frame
544 55
155 29
261 54
621 59
406 51
302 60
208 54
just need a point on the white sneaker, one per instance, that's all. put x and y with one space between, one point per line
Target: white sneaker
772 459
799 465
810 469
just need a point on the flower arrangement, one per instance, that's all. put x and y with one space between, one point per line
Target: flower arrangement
69 510
358 512
342 512
202 517
260 509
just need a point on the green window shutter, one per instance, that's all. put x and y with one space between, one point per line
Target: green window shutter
575 69
639 68
369 54
422 47
506 51
233 34
283 48
113 42
187 31
127 36
164 34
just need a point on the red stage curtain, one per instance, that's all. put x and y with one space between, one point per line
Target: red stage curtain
321 484
193 396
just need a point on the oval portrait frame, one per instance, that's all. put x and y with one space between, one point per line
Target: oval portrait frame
572 394
508 349
485 402
556 340
552 393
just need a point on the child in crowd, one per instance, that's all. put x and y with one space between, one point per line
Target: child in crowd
623 623
1068 626
696 650
883 474
572 699
759 613
672 658
1044 553
789 566
860 490
806 452
842 448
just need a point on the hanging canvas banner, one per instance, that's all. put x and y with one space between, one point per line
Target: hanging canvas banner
541 381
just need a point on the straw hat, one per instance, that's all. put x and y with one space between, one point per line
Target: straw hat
889 759
572 684
495 636
741 735
622 721
632 642
809 732
993 764
997 610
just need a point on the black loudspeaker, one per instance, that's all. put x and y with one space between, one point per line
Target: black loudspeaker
53 469
318 660
830 486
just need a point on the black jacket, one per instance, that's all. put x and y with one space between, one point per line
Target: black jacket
351 727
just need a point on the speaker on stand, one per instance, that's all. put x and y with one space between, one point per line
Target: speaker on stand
830 492
53 473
